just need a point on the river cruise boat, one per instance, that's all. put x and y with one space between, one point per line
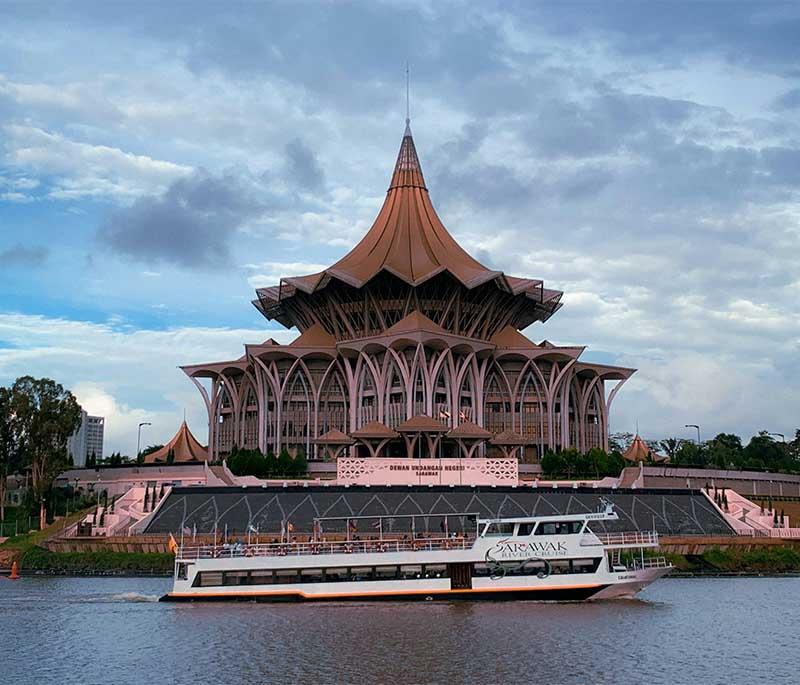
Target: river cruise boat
541 557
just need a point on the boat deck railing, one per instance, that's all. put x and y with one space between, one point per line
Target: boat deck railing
230 551
650 562
638 538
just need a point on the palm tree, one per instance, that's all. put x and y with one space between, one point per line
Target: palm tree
670 447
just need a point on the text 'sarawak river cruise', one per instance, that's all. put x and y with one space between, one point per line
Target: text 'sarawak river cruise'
543 557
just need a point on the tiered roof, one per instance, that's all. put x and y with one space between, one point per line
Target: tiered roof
409 241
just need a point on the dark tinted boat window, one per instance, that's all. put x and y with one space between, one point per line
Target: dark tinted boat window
499 529
235 578
261 578
209 578
286 576
313 575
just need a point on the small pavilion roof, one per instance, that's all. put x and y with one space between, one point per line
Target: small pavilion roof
509 437
638 450
510 338
316 336
374 430
467 430
334 437
184 446
420 423
415 321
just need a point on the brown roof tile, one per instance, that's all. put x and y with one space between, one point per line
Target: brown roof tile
469 431
333 437
374 430
422 424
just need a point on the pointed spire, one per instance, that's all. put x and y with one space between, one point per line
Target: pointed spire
407 170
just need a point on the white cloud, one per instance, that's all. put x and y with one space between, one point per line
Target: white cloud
16 197
83 170
125 374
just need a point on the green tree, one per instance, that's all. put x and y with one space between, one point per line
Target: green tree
725 451
270 464
765 453
285 463
8 446
300 466
45 416
670 447
553 464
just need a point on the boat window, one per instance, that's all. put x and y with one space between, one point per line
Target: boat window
261 578
182 572
336 574
234 578
559 567
585 565
284 576
411 571
361 573
481 570
499 529
435 571
313 575
385 572
209 578
571 527
525 528
532 568
546 528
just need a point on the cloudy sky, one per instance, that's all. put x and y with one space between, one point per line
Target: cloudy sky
158 163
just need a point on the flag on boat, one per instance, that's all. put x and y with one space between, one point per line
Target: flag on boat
444 414
377 523
353 525
172 544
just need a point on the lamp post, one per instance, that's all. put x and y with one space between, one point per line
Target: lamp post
139 437
694 425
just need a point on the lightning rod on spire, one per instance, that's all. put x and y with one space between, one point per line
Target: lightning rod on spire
408 99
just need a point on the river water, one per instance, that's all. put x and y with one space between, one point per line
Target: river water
113 631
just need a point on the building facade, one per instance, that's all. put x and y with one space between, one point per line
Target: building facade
87 440
408 346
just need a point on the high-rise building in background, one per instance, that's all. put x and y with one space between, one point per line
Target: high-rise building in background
87 440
